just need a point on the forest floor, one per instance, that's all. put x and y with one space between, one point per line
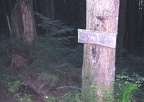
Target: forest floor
55 73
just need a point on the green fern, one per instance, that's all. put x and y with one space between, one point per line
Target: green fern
55 27
127 90
125 86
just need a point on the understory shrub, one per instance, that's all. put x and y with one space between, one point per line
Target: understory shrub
126 87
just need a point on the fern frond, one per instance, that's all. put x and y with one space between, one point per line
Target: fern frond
127 90
54 26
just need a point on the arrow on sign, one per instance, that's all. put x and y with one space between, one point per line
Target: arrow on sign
95 37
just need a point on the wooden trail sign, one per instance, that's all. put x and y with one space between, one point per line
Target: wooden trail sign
99 40
95 37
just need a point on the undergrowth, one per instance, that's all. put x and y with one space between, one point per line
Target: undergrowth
51 56
126 87
54 27
58 61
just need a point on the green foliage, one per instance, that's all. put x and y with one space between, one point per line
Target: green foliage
44 54
50 55
6 78
49 78
25 98
135 78
19 46
73 96
126 86
53 57
127 90
13 86
88 93
55 27
108 96
11 83
51 98
19 43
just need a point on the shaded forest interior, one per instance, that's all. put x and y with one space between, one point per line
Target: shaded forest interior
131 25
73 14
58 55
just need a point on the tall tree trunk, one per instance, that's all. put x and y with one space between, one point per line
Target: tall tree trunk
46 8
143 26
132 24
99 61
9 6
23 25
121 27
52 8
23 28
3 19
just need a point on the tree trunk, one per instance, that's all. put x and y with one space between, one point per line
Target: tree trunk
99 61
121 27
52 8
132 25
143 26
23 25
23 28
3 19
46 8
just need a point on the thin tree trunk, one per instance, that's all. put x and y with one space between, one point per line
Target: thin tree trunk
52 8
143 26
3 19
99 61
132 27
9 6
121 28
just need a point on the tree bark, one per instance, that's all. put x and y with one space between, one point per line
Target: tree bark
121 27
3 14
99 61
47 9
23 24
132 25
23 28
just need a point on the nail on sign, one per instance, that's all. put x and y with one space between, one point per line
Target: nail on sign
95 37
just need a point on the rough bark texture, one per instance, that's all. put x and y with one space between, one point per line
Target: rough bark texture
99 61
22 20
23 28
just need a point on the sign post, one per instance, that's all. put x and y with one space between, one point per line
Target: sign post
99 40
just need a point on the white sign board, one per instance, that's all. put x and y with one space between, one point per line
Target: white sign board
95 37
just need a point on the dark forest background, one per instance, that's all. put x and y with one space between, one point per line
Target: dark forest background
54 60
73 13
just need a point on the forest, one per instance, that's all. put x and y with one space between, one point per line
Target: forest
49 53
